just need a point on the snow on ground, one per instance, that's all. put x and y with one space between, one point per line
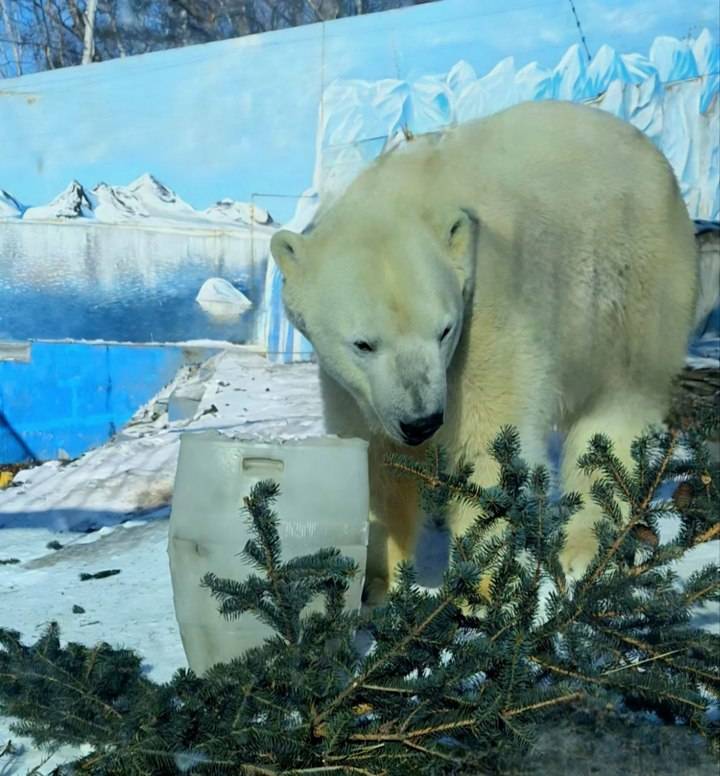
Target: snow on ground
109 510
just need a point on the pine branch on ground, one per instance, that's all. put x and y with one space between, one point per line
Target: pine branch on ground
439 692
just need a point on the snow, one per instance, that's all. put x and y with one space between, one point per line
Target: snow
115 204
221 299
132 475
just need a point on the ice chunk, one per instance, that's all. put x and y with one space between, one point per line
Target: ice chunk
605 68
569 77
673 58
489 94
638 67
430 104
361 119
221 299
461 74
707 56
229 211
533 83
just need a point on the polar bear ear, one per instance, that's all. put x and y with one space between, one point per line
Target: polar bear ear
461 233
287 248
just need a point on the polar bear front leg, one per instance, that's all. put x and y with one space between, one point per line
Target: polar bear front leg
486 472
462 515
393 501
394 524
622 417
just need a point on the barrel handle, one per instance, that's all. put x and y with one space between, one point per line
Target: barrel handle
270 465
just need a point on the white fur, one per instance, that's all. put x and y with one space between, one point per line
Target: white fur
553 239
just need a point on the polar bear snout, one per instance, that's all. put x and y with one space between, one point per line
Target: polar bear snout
416 431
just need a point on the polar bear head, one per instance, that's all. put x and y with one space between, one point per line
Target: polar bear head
383 306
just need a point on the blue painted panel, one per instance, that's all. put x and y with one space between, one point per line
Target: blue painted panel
74 396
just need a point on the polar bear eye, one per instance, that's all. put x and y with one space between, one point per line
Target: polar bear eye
447 331
364 347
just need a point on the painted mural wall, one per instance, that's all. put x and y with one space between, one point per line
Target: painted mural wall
126 185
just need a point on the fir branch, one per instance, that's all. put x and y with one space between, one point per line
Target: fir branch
432 753
712 532
376 665
713 679
584 678
432 481
70 685
637 663
343 769
702 593
569 698
667 457
673 552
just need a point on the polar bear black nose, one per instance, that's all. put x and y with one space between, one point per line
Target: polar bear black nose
421 429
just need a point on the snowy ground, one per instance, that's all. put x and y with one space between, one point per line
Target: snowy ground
109 509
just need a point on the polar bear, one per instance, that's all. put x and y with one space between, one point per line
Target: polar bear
534 268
